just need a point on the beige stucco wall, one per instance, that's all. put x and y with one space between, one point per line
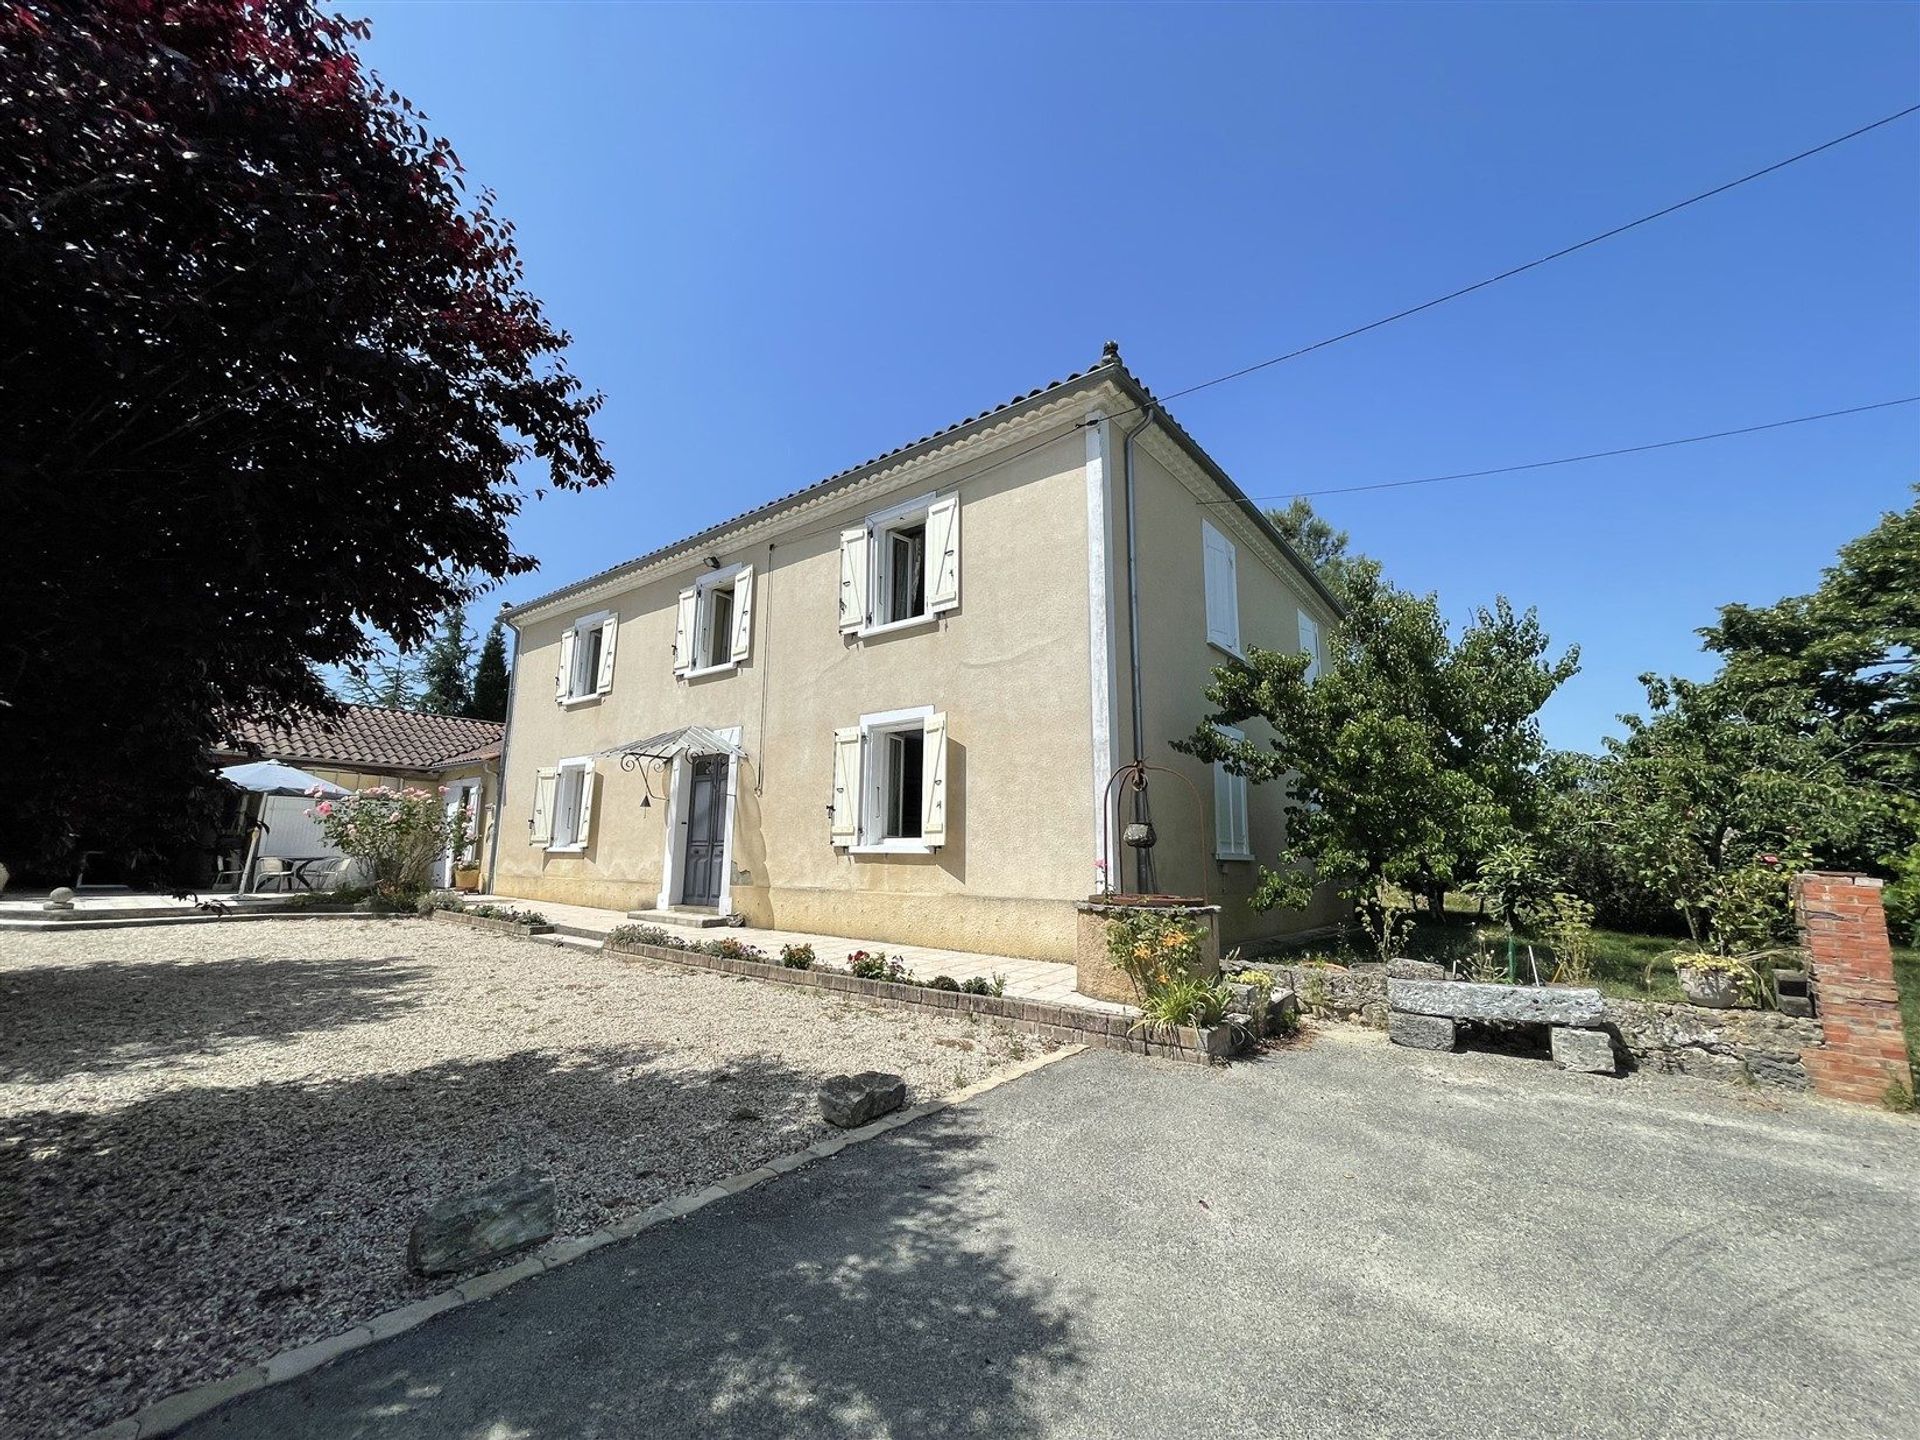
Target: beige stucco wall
1009 667
1176 661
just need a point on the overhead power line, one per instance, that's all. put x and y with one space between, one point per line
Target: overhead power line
1559 254
1576 459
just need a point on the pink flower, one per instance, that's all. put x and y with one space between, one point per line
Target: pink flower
323 809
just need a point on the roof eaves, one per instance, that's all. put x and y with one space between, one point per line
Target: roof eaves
1144 398
1108 368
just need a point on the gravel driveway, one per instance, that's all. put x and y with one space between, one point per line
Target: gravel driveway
214 1138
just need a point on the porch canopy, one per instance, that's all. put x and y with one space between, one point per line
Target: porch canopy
668 744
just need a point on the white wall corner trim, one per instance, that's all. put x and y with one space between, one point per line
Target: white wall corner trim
1100 653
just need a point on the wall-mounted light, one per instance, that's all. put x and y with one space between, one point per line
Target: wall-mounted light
713 562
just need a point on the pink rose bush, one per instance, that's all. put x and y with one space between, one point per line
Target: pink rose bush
395 833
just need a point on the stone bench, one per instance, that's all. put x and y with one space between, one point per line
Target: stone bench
1426 1015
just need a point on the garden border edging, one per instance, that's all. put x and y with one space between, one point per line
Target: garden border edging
169 1413
1066 1023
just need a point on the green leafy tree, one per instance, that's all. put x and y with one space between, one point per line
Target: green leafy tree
490 676
1406 760
1718 779
1322 545
446 667
1844 655
272 377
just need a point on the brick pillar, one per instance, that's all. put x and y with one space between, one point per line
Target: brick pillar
1844 928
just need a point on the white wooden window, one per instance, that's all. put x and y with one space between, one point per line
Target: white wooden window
568 799
1222 568
890 782
586 658
902 566
1310 643
714 627
1230 837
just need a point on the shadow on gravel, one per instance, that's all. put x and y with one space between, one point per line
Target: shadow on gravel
877 1293
64 1020
151 1246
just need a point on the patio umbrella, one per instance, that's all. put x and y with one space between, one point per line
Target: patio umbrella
270 777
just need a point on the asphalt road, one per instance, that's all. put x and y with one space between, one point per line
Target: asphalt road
1339 1240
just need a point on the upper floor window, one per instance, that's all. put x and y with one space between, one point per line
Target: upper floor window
901 566
1222 568
714 629
1310 643
586 658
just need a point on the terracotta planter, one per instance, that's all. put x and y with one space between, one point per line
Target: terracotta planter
467 877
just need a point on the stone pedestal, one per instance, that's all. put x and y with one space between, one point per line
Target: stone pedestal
1422 1032
1589 1050
1099 978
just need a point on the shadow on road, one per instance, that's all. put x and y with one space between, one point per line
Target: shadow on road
876 1294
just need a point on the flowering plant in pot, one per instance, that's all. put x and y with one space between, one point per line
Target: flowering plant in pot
1719 982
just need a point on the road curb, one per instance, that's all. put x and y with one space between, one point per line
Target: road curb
171 1412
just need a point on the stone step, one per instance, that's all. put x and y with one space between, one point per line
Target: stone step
687 917
579 932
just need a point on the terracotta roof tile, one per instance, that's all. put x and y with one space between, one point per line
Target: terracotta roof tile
376 739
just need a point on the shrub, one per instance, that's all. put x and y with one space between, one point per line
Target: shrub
866 965
997 985
1183 1000
512 914
1566 924
645 935
440 900
977 985
1254 977
730 949
1150 947
394 835
797 957
943 982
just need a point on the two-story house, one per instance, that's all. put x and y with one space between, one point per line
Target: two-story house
891 705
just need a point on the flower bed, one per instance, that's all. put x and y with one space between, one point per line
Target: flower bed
501 921
1060 1023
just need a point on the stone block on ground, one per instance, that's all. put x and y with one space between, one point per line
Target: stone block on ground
1589 1050
483 1224
1524 1004
1422 1032
1283 1010
853 1100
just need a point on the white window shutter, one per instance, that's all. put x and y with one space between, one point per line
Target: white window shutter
853 578
743 614
563 683
943 554
1310 643
1230 836
1222 588
542 827
603 682
683 631
582 827
933 781
846 785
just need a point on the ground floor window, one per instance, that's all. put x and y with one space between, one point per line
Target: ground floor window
563 805
890 781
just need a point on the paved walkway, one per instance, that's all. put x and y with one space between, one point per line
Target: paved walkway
1026 979
1342 1240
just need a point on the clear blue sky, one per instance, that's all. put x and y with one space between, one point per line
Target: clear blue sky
786 238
